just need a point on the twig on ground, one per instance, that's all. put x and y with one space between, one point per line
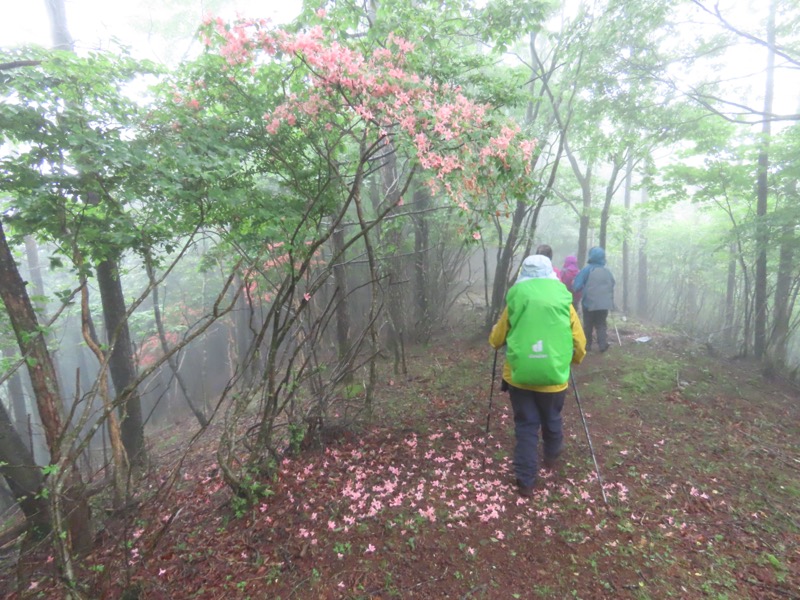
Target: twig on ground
477 588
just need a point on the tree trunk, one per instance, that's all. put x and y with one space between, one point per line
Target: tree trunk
612 182
641 286
747 302
586 208
422 320
121 364
33 346
24 478
48 400
245 334
690 308
626 235
394 241
503 272
62 40
121 464
779 338
17 397
373 306
762 234
341 297
204 379
396 317
35 270
729 336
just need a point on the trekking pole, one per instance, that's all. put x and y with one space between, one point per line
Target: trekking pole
619 341
491 392
588 438
489 412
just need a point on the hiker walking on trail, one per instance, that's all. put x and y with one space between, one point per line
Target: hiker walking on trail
596 283
544 337
567 276
546 250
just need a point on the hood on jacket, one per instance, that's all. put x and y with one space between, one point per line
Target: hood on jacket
597 257
536 266
571 263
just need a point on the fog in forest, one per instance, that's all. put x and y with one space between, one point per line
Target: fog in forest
668 284
245 249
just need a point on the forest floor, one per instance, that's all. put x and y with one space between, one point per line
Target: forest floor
699 458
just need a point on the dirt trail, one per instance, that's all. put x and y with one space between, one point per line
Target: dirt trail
698 456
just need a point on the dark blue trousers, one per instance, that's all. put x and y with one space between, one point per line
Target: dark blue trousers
534 410
596 320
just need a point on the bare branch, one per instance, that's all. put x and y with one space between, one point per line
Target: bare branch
748 36
19 63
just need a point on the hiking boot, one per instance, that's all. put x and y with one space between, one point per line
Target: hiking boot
551 462
526 491
604 348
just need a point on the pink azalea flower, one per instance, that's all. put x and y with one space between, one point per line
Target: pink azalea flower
273 126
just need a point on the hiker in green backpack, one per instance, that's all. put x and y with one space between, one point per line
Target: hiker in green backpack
544 337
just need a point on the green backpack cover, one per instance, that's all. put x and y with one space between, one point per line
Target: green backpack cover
540 339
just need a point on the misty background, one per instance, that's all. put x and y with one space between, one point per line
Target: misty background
190 266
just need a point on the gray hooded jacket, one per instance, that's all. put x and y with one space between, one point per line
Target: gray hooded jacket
597 282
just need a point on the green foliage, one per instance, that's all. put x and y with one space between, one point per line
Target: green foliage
48 470
78 166
652 377
352 390
297 433
342 548
507 20
456 42
251 492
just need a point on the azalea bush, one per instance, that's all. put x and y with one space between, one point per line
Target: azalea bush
294 130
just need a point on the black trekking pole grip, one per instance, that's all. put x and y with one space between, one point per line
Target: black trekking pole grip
588 437
491 392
